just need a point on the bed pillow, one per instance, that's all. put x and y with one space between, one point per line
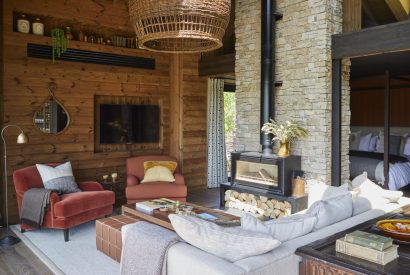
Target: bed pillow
406 150
331 211
59 178
364 143
404 140
229 243
394 144
354 140
373 143
158 173
282 229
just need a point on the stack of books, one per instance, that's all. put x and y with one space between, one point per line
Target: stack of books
149 206
368 246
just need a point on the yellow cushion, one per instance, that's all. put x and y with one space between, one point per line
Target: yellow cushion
171 165
158 173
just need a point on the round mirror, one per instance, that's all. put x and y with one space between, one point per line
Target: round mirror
52 117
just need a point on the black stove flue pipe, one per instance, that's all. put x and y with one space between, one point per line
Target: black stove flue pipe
268 25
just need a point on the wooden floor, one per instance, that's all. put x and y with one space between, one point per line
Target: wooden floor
19 260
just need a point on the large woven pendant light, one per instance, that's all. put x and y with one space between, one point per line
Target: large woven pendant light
180 25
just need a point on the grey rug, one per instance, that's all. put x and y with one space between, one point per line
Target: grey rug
76 257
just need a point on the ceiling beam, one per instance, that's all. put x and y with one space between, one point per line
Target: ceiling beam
400 8
217 65
376 40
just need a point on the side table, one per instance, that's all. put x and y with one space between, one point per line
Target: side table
118 188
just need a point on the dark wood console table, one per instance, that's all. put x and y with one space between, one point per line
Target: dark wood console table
320 257
297 203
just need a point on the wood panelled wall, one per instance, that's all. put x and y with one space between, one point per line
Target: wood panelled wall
25 89
367 102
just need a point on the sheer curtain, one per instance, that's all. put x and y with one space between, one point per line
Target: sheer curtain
216 134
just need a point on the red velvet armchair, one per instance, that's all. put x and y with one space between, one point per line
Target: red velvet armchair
136 191
68 210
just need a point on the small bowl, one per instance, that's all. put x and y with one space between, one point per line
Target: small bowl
389 227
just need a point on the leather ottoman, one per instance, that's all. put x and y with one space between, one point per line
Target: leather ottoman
108 234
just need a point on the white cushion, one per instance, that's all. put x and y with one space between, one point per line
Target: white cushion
332 210
372 191
364 143
158 173
230 243
320 191
59 178
282 229
361 204
373 143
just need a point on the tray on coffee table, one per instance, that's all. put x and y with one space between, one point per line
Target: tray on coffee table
161 218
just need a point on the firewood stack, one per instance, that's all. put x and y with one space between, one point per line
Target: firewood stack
267 207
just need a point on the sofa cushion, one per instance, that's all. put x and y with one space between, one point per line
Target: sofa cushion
158 173
321 191
59 178
155 190
76 203
332 210
230 243
282 229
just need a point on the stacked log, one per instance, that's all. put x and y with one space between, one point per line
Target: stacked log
270 208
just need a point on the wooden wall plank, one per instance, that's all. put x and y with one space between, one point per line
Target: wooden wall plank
352 15
25 88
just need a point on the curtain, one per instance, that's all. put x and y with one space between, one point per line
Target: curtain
216 134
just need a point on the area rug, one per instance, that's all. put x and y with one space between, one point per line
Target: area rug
76 257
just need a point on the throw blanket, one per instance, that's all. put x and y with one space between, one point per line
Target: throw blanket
144 248
35 203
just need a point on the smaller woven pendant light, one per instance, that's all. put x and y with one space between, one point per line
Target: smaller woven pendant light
180 25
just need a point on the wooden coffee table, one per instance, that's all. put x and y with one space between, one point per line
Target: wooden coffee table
161 218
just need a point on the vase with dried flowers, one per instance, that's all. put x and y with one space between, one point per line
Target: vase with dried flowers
285 133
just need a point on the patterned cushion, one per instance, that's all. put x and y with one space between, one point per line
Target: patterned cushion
158 173
229 243
59 178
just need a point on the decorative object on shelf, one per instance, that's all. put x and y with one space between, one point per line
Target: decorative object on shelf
285 134
180 26
59 42
23 25
52 117
105 178
114 177
91 39
38 27
22 138
81 36
68 33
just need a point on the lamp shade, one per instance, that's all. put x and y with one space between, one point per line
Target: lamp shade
179 26
22 138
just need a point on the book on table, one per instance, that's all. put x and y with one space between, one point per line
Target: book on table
366 253
150 206
369 240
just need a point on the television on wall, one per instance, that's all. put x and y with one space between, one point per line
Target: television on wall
129 124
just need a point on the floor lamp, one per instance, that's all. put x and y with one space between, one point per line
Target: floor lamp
22 138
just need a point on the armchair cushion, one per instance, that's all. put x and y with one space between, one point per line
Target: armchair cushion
158 189
171 165
179 179
132 180
58 178
76 203
90 186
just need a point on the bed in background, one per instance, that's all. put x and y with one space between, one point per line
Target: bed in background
366 154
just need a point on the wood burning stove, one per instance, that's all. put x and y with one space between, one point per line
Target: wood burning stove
265 173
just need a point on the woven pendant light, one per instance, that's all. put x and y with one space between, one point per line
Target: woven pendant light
180 25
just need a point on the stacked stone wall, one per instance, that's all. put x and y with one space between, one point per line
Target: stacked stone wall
303 64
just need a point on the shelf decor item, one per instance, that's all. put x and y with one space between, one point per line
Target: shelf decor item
38 27
285 134
22 138
180 26
59 42
68 33
23 25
